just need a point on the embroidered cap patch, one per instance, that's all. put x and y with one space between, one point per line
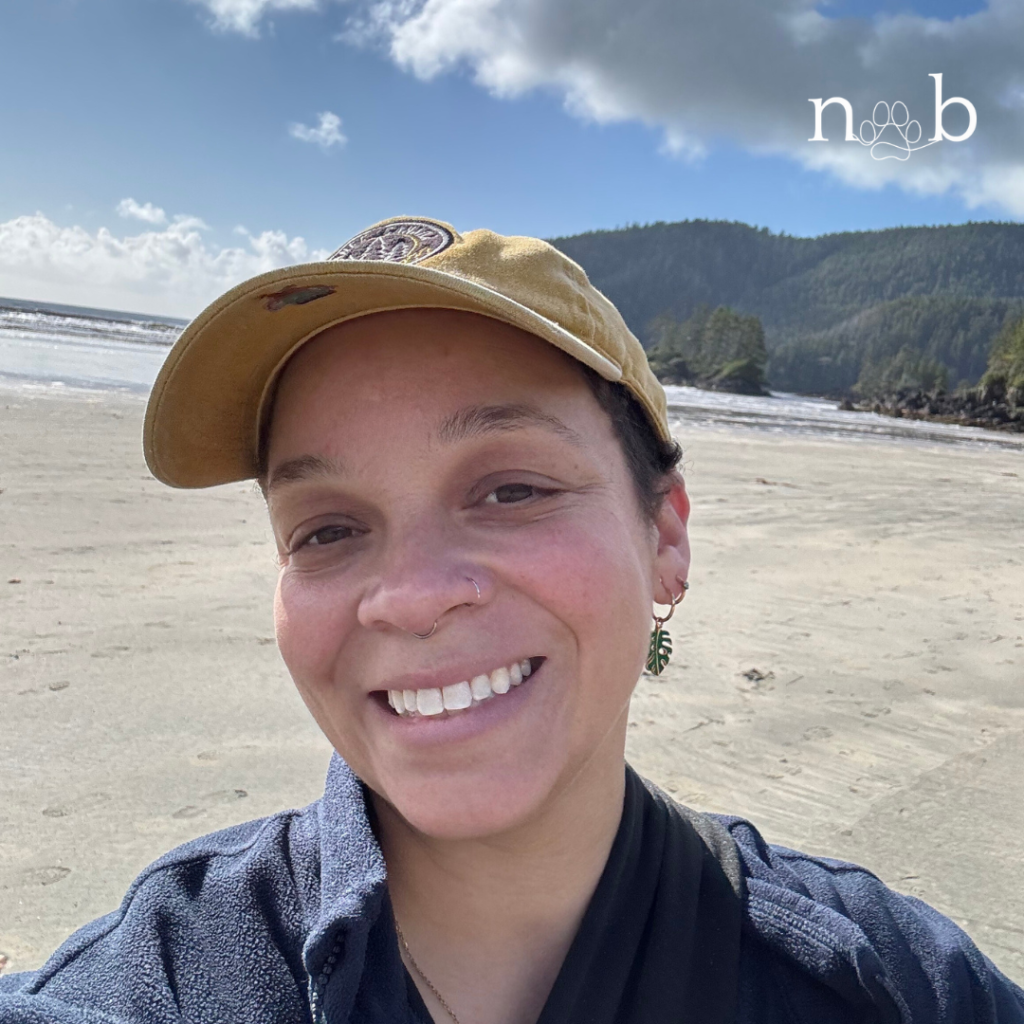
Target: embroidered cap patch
398 241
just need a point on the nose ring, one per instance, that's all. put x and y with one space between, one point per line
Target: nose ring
426 636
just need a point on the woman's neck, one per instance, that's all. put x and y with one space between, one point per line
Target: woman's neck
489 921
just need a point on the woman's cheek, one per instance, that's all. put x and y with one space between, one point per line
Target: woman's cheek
309 622
586 570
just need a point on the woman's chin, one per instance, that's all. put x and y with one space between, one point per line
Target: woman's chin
484 805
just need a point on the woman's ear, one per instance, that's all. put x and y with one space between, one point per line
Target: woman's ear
672 562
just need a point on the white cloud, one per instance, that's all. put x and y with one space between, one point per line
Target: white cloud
244 16
174 271
326 134
738 71
141 211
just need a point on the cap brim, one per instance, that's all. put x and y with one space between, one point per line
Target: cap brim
203 419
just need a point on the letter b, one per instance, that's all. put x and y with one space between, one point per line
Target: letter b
972 114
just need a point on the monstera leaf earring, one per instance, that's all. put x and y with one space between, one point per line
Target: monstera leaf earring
661 643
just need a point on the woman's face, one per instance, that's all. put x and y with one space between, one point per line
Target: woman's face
416 457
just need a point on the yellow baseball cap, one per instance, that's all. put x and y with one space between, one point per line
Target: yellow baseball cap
215 388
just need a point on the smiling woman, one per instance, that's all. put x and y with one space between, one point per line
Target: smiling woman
526 501
472 486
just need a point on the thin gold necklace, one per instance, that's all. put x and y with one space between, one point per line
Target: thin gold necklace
419 970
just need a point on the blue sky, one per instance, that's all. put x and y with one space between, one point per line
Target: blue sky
552 133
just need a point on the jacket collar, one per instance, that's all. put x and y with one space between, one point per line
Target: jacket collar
352 893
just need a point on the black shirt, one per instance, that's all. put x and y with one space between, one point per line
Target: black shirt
660 939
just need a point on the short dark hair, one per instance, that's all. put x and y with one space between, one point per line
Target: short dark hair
650 459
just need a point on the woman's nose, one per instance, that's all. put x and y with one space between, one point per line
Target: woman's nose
419 587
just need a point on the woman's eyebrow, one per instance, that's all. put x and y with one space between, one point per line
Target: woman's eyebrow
485 419
472 421
302 468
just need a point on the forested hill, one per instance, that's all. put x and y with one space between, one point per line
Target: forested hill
828 304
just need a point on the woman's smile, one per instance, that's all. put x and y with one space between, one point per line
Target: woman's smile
487 724
453 698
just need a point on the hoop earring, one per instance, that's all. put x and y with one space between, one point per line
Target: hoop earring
660 649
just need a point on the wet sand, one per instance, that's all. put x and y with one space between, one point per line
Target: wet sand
849 668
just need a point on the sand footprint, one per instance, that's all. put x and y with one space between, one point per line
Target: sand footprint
87 802
818 732
209 800
46 875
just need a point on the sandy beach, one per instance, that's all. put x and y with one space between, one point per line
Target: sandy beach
849 669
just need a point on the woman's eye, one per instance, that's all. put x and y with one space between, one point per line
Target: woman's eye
508 494
327 535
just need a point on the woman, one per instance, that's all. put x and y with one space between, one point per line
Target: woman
472 487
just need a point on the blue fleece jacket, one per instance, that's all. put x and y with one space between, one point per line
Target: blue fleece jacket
285 920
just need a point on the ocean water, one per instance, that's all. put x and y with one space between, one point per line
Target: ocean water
820 417
67 346
51 347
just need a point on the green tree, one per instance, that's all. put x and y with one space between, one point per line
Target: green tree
1004 377
908 370
721 349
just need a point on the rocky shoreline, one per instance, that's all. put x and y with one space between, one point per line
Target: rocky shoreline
988 407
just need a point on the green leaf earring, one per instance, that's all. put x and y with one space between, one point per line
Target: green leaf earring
661 642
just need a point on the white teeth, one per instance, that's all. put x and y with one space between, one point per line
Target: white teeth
500 680
429 701
432 701
457 696
481 687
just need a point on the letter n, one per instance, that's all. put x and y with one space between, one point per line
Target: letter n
819 107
